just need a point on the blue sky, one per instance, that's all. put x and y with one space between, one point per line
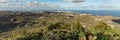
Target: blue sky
59 4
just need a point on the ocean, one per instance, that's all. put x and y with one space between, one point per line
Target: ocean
99 12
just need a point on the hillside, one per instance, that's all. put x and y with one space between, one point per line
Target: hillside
58 26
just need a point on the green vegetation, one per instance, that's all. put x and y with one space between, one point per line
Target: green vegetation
59 31
57 27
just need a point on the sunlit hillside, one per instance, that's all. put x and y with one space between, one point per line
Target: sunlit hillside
58 26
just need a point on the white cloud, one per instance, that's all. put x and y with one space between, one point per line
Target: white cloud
3 1
36 4
42 5
32 3
74 1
